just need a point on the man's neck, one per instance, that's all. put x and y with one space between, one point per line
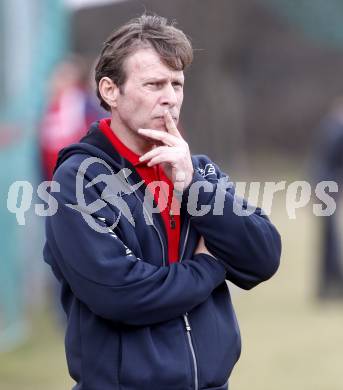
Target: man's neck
130 138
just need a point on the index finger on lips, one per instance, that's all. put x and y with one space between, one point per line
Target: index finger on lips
170 124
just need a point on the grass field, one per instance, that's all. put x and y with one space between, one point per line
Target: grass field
290 341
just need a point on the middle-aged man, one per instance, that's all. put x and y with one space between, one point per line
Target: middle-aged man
145 234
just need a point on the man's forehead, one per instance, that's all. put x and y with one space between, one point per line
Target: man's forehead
145 63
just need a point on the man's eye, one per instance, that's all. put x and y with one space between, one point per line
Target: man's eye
154 84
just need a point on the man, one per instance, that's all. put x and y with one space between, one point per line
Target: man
145 291
327 165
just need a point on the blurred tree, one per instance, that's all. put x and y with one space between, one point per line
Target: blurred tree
33 36
319 19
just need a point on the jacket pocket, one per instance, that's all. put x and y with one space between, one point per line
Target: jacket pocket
216 338
155 357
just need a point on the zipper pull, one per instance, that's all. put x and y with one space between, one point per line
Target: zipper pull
187 324
172 220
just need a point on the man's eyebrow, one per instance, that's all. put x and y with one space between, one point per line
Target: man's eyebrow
163 79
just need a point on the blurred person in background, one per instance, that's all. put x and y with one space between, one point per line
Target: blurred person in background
70 110
328 165
147 303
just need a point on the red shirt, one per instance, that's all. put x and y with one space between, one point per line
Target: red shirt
149 174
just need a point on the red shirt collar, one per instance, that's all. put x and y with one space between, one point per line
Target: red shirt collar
123 150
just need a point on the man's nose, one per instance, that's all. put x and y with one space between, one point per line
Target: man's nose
169 97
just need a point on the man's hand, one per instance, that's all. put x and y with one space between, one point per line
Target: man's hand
201 248
174 153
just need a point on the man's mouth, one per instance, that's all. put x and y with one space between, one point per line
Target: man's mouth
175 119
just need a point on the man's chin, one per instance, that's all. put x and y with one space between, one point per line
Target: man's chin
158 124
159 127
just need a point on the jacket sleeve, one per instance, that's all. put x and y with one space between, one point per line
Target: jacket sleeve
110 280
249 245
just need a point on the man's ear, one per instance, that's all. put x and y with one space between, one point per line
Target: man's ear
109 91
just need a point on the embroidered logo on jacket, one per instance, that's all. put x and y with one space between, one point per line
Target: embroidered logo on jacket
207 170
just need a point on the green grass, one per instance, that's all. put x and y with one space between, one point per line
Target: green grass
39 363
290 341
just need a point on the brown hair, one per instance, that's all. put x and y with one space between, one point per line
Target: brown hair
154 31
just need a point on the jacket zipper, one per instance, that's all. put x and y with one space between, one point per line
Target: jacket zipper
185 242
191 347
155 228
188 324
185 316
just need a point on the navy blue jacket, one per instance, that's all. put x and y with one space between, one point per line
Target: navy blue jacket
135 322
